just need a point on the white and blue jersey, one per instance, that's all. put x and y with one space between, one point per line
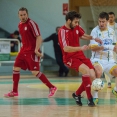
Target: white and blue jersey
108 38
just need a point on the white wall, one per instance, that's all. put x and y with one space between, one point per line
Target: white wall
47 14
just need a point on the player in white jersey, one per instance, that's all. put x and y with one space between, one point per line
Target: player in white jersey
112 24
102 55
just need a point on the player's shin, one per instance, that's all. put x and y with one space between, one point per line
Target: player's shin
87 84
115 88
108 80
16 77
44 79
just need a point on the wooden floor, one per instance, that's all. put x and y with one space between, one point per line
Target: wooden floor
33 101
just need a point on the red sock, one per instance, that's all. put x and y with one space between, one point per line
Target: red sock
87 84
16 77
80 89
44 79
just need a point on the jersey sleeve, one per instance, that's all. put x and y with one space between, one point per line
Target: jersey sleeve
34 28
62 38
114 38
94 35
81 31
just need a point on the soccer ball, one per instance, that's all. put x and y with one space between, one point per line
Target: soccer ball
97 84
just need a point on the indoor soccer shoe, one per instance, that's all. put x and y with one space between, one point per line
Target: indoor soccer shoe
52 91
91 103
11 94
95 100
114 92
77 99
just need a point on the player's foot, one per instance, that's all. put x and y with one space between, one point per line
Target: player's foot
52 91
114 92
109 84
77 99
11 94
95 100
91 103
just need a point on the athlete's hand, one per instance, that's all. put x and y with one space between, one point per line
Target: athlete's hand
38 53
96 47
84 47
98 40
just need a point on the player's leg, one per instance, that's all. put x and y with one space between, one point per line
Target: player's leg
33 63
44 79
77 95
64 70
78 65
114 90
98 72
113 72
86 80
19 63
108 80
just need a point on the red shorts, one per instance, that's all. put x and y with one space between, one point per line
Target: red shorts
74 63
27 61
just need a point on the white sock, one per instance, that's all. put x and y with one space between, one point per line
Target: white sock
95 94
107 78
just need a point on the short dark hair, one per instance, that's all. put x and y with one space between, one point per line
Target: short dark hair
72 15
16 32
57 27
104 15
23 9
111 13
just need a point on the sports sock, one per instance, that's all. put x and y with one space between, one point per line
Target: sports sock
115 88
80 89
87 84
95 94
16 77
44 79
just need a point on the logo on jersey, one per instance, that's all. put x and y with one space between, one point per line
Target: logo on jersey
67 30
77 31
35 67
107 42
25 28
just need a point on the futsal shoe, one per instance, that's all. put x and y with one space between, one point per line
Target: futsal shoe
114 92
95 100
52 91
109 85
11 94
77 99
91 103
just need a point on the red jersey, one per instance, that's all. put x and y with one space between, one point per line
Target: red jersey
70 37
28 31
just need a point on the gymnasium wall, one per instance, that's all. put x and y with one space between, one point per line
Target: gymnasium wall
47 13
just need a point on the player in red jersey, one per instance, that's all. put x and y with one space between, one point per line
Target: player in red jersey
73 55
29 55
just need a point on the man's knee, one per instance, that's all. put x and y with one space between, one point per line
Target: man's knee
98 71
84 69
92 74
35 72
114 72
16 68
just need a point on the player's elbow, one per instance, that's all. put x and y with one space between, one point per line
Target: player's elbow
66 49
